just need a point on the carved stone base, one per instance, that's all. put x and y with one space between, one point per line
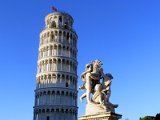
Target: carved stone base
101 116
92 108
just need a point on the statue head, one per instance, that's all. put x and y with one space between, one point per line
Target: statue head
109 76
97 63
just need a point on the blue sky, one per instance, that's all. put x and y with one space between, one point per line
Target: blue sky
124 34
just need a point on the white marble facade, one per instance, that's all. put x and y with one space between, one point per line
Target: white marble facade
56 79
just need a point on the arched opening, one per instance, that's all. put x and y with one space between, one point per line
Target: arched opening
67 38
59 50
60 18
65 25
52 37
58 93
60 36
63 65
66 84
59 64
48 118
53 24
48 92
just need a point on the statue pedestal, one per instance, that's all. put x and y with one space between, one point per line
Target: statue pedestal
101 116
99 112
92 108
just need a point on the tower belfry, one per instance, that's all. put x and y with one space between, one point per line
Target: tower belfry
56 79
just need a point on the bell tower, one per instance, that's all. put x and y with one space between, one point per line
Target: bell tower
56 79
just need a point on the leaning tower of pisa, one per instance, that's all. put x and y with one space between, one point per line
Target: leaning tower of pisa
56 79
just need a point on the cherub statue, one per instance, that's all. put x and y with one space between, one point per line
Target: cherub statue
106 85
91 77
99 97
100 90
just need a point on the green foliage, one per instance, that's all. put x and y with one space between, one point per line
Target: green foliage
157 116
147 118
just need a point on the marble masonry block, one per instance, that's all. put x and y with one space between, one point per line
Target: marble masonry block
92 108
101 116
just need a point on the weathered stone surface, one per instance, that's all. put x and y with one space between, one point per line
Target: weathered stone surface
101 116
92 108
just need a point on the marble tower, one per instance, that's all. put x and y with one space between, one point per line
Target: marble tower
56 79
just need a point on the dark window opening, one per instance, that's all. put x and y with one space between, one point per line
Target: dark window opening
65 25
53 24
66 84
67 36
47 117
60 18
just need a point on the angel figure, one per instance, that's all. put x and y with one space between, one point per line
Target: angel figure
91 77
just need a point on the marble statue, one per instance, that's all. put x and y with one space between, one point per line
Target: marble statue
91 77
99 97
97 86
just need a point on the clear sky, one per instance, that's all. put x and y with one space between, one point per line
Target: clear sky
124 34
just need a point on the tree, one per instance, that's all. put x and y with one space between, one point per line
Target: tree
147 118
157 116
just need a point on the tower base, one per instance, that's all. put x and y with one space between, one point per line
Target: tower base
101 116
